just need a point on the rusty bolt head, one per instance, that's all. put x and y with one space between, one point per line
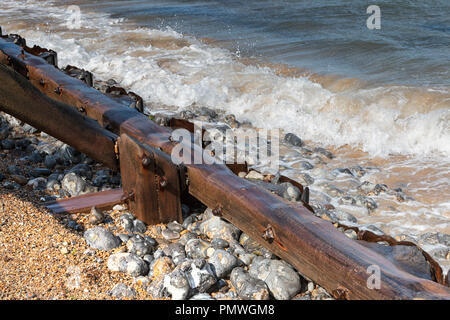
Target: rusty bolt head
217 211
163 182
269 234
146 161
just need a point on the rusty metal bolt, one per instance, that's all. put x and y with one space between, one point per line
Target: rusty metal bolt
58 90
217 211
42 82
269 234
163 182
146 162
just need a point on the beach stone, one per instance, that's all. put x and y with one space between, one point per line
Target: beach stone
358 171
38 183
139 246
254 175
101 180
292 139
176 252
177 285
202 296
347 200
305 179
102 239
248 287
40 172
4 133
126 222
331 189
324 152
121 290
175 226
215 227
435 238
19 179
367 202
254 247
281 279
344 216
289 191
7 144
161 266
218 243
11 185
53 185
200 279
303 165
139 226
196 248
366 188
69 154
185 237
73 184
222 263
124 237
170 235
127 263
50 161
156 289
148 258
14 170
96 216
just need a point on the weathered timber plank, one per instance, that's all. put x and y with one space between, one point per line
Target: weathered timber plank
22 100
102 200
310 244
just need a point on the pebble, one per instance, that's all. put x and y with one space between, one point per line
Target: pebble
251 246
40 172
121 290
215 227
175 226
367 202
293 140
170 235
127 263
177 285
176 252
281 279
73 184
289 191
161 266
126 222
19 179
96 216
102 239
248 287
254 175
38 183
222 263
139 226
200 279
185 237
50 161
219 243
156 289
139 246
202 296
196 248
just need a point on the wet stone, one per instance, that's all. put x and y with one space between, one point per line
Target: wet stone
281 279
344 216
148 258
121 290
324 152
102 239
303 165
124 237
248 287
293 139
127 263
223 262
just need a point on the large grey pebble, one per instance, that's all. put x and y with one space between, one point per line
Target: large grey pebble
102 239
127 263
215 227
247 286
223 262
121 290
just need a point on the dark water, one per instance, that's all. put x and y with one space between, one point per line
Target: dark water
331 37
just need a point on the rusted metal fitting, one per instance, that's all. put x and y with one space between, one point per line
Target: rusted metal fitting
42 82
163 181
340 293
217 211
269 234
58 90
146 162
